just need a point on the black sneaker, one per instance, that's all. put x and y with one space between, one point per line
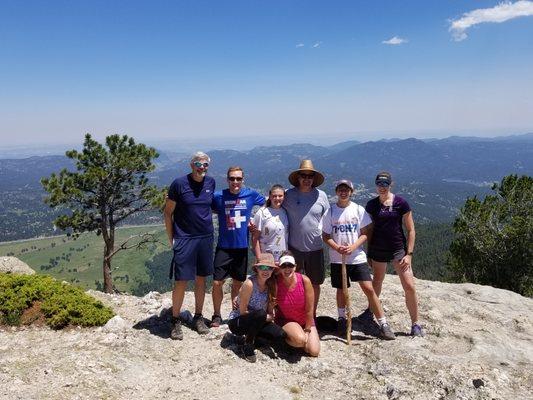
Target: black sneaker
199 325
386 332
341 327
175 329
248 352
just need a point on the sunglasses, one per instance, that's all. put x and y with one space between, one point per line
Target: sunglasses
382 184
307 176
286 265
199 164
264 268
235 178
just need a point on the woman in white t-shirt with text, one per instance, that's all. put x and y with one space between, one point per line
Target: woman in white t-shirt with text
271 232
345 229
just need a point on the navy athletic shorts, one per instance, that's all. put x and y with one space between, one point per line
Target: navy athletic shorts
354 272
192 257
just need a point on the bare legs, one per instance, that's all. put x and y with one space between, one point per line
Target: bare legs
218 293
178 293
408 284
297 337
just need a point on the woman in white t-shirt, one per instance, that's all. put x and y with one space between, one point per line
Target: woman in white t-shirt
271 231
344 230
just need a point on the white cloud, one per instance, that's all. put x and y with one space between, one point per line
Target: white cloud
500 13
317 44
395 41
300 45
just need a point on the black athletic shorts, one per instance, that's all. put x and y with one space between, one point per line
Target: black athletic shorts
386 255
355 273
310 263
230 263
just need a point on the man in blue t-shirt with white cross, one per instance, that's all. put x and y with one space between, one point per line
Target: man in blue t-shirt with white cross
189 226
233 207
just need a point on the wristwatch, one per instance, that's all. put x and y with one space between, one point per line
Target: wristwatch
410 253
308 330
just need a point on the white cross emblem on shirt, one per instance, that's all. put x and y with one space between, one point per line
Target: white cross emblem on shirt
237 219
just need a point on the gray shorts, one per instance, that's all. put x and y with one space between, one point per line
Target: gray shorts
386 255
310 263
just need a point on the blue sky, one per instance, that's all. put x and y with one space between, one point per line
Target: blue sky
266 70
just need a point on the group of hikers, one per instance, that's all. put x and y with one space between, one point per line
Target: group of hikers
278 301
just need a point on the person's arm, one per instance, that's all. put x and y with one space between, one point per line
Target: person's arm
326 237
244 296
256 224
256 247
309 303
170 205
363 237
409 224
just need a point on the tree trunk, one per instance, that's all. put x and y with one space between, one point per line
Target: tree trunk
108 279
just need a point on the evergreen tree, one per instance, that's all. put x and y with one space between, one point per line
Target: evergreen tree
109 186
493 238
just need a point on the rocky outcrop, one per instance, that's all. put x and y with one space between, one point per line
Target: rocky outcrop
12 265
479 345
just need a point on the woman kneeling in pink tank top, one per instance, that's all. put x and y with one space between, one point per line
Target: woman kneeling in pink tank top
294 312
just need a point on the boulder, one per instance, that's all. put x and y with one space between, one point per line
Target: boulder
12 265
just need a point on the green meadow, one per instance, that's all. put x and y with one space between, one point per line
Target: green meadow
79 261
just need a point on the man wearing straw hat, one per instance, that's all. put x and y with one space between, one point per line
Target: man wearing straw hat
305 206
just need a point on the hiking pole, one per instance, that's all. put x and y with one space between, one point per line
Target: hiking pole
347 301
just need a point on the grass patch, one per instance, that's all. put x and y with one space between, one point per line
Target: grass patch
60 304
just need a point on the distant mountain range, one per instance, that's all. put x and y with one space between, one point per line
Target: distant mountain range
435 175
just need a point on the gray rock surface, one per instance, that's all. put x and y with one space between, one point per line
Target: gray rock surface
479 345
12 265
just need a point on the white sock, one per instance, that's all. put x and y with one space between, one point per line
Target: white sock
342 312
382 321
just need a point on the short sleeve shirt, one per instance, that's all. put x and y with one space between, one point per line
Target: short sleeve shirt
274 227
192 214
387 234
305 211
344 226
233 211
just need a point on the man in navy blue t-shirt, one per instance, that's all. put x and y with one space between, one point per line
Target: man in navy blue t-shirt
189 226
233 207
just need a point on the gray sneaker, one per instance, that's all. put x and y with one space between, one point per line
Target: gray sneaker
175 329
416 330
199 325
386 333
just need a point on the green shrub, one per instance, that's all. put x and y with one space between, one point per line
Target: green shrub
61 304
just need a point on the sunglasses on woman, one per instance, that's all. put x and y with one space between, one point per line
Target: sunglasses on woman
199 164
264 268
286 265
307 176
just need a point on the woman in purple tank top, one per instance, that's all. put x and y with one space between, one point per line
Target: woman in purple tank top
294 311
388 243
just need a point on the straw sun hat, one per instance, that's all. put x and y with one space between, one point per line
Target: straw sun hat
306 166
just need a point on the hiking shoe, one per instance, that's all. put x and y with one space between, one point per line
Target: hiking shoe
216 321
175 329
248 352
199 325
416 330
341 327
386 333
366 316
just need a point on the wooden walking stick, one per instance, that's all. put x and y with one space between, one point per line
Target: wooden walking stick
347 301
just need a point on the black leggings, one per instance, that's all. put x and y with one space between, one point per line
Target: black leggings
255 324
